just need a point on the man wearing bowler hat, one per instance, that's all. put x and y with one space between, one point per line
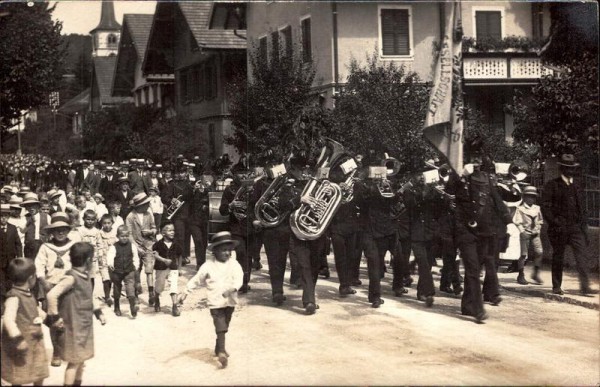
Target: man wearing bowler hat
564 210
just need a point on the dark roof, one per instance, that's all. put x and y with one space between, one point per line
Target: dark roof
104 71
107 18
198 14
76 104
139 27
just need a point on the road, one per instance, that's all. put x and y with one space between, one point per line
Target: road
526 340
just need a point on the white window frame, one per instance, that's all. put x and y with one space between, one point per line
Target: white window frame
283 47
411 55
301 36
484 8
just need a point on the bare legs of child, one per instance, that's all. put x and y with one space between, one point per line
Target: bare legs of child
74 374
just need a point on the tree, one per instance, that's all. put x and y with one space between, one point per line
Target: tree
128 131
560 114
382 108
274 112
30 64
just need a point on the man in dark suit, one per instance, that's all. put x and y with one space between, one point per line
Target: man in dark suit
563 209
11 246
90 179
124 196
135 177
108 183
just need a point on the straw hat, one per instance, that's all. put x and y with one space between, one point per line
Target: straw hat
221 238
58 220
140 199
30 198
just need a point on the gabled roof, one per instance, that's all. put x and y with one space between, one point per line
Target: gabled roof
104 70
139 26
197 15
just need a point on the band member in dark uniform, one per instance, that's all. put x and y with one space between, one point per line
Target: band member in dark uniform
307 253
477 205
241 228
199 220
179 191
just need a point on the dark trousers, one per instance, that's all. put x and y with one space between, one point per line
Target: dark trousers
375 249
490 250
576 239
199 233
308 258
181 231
400 263
474 253
222 318
254 246
355 258
118 279
31 248
343 252
422 251
277 245
450 270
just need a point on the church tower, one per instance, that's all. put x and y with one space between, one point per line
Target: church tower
105 36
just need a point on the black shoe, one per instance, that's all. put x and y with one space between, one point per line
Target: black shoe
279 298
429 301
151 299
175 311
256 265
408 281
481 317
108 301
223 359
400 291
310 308
458 290
186 261
356 282
558 291
117 309
377 303
446 289
588 291
324 272
244 289
521 279
346 290
156 303
495 301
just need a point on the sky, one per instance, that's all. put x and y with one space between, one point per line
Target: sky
82 16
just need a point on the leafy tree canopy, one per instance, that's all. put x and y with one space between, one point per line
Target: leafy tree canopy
31 60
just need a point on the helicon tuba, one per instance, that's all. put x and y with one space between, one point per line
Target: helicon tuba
267 210
310 221
242 196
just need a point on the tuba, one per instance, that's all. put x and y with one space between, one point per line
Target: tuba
242 196
310 221
267 210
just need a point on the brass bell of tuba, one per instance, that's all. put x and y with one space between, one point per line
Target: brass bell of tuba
392 167
266 209
310 221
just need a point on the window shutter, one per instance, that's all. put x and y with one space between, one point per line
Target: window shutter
306 41
183 86
287 36
488 24
395 39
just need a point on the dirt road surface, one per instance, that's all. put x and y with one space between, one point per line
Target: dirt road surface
525 341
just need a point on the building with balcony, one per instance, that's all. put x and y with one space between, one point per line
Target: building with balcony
202 45
129 79
500 58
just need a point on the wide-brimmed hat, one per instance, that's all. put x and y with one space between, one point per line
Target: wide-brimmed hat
9 189
530 190
24 190
221 238
122 179
5 209
140 199
99 196
53 194
58 220
30 198
15 202
568 160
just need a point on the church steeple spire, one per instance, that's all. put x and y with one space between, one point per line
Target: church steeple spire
106 35
107 18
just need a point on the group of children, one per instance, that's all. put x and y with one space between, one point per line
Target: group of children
61 280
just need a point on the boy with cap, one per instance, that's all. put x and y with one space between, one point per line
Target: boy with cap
223 276
528 219
140 223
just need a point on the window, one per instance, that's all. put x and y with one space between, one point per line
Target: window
395 30
306 40
210 80
112 39
537 17
212 141
275 46
200 83
194 84
145 94
488 24
262 48
183 86
286 42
